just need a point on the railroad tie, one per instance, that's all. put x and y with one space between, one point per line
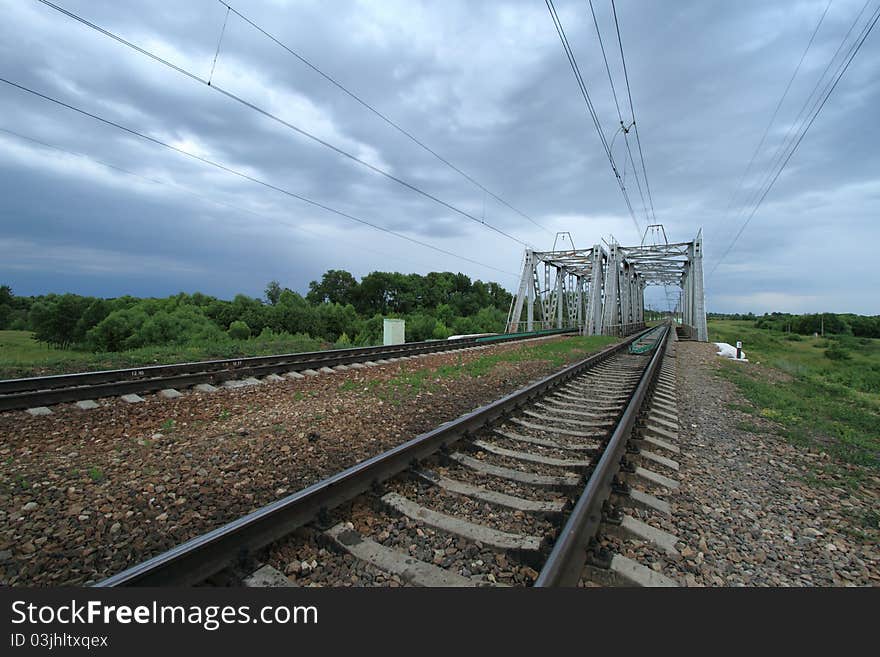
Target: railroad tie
531 457
623 571
541 442
657 442
638 499
460 527
635 529
265 577
409 569
564 420
659 459
491 496
530 478
570 411
656 478
556 430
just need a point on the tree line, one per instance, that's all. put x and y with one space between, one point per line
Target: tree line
861 326
337 309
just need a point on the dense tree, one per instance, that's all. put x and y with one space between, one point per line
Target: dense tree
273 292
336 309
336 286
54 319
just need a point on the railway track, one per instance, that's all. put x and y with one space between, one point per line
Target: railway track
38 393
547 480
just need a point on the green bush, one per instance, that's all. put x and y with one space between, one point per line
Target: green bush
837 352
117 331
239 330
434 306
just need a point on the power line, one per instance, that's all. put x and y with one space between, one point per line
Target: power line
219 42
633 111
623 127
279 120
572 61
241 174
854 49
801 118
204 197
776 110
379 114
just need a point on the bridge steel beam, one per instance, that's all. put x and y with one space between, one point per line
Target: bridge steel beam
597 282
603 292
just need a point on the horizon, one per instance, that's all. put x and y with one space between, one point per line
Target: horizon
261 297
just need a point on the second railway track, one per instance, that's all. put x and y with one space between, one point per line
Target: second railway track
536 480
38 393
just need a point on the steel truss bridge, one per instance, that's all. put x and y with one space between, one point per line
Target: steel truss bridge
601 291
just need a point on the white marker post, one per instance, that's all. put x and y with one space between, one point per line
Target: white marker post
739 349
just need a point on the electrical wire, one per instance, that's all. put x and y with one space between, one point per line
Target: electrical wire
853 51
776 112
279 120
572 60
241 174
379 114
623 127
803 114
203 197
633 111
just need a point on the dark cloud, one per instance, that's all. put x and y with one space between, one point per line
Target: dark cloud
486 85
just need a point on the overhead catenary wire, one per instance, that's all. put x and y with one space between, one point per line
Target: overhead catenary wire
776 111
853 51
219 42
204 197
633 111
809 105
243 175
623 127
384 117
572 61
274 117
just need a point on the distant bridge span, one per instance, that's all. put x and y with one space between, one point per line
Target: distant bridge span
602 291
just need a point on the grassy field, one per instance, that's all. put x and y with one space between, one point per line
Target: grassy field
21 355
824 393
557 353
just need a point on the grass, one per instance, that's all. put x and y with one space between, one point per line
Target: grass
96 475
21 355
821 402
749 427
556 353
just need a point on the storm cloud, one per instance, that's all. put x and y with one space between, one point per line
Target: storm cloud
92 209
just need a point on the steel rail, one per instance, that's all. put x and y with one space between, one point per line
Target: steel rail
47 390
565 564
205 555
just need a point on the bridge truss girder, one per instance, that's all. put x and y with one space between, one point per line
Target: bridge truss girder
602 291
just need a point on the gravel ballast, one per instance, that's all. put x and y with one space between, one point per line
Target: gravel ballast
745 514
85 494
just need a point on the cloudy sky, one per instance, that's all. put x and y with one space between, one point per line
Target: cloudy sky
89 208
